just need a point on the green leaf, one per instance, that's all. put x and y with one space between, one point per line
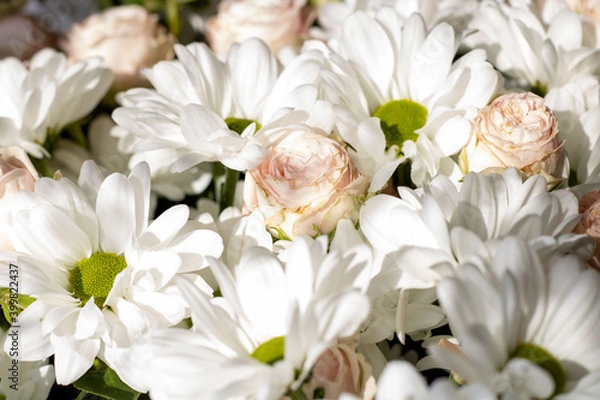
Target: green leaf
16 306
106 385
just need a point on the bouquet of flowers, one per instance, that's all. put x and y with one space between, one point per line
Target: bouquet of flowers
282 199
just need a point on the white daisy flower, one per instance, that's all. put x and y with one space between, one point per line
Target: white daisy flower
222 102
39 100
548 60
424 235
24 380
331 15
428 230
406 76
103 144
102 273
262 337
522 328
588 12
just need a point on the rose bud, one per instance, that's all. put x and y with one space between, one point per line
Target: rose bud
589 207
22 36
127 37
517 130
278 23
16 171
340 369
305 184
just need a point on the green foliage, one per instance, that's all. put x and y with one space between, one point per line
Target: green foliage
106 384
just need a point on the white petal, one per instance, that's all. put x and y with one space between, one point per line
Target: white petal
73 358
116 210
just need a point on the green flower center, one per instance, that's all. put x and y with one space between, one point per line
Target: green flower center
270 351
399 121
539 88
544 359
239 124
95 276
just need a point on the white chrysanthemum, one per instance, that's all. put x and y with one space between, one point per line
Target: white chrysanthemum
104 150
522 327
331 15
424 235
49 94
262 337
101 273
407 77
222 102
23 380
588 11
401 381
428 230
549 60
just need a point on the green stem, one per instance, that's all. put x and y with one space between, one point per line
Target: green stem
228 190
81 396
173 17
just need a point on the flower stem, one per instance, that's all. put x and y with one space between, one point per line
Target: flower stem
228 189
173 17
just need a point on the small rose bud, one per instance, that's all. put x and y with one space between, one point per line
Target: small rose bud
128 38
278 23
517 130
305 184
340 369
16 171
589 207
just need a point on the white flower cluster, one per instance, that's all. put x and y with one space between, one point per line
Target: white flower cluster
405 191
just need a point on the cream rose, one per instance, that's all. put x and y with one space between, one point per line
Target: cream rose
340 369
589 207
16 174
127 37
16 171
278 23
305 184
517 130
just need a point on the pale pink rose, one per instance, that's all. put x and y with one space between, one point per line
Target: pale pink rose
517 130
589 207
16 174
588 8
305 184
340 369
16 171
128 38
278 23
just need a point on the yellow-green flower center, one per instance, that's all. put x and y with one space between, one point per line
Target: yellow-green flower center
399 121
239 124
271 351
544 359
95 276
539 88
